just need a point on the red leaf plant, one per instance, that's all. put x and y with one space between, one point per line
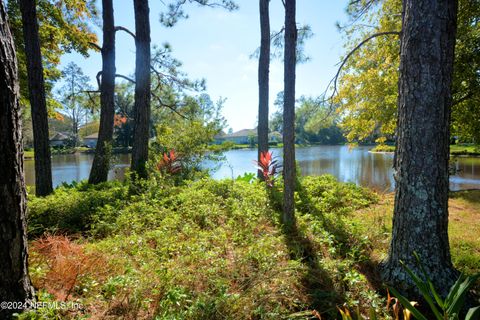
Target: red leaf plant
119 120
268 166
169 163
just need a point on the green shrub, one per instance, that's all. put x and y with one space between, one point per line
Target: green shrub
325 195
71 209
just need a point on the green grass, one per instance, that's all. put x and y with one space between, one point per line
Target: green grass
464 149
455 149
464 228
28 154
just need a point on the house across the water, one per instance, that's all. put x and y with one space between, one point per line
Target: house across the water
91 140
244 136
247 136
59 140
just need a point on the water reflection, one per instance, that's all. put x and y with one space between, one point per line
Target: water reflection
75 167
349 165
353 165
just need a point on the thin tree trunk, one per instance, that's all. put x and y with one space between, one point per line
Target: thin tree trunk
74 113
289 113
14 280
142 89
263 80
101 162
38 103
420 222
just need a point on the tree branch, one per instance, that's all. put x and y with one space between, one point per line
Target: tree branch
95 46
120 28
99 82
124 77
88 92
169 106
334 80
465 97
99 75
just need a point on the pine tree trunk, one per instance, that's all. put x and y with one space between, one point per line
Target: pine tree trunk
38 103
142 89
289 113
14 281
420 222
263 85
101 162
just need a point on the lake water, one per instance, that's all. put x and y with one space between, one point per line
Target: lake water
356 165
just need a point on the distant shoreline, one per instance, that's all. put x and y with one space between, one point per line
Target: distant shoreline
455 150
30 155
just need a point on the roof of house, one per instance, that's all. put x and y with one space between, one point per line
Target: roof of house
59 137
275 134
219 135
92 136
242 133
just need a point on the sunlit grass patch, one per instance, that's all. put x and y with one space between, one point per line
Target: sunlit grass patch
464 228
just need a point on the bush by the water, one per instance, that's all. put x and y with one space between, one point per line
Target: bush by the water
204 250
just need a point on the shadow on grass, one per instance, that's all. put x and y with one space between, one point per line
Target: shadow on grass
472 196
324 295
317 282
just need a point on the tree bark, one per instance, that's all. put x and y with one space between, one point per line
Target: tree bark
289 113
38 103
263 79
420 222
101 162
142 89
14 280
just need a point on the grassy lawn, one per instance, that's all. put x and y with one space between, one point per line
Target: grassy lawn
464 228
455 149
464 149
28 154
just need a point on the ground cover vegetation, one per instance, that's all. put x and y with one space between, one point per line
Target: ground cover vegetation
171 249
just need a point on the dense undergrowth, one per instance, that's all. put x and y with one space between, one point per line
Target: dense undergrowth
204 250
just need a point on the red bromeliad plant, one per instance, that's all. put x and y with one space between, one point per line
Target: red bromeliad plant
268 166
169 163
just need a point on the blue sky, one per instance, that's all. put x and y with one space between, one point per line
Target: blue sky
215 44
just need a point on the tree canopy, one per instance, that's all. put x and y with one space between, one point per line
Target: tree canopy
64 26
367 87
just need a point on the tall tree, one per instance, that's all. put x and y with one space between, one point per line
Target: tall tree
73 97
142 88
420 222
14 280
289 174
101 161
38 103
263 78
64 26
142 71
